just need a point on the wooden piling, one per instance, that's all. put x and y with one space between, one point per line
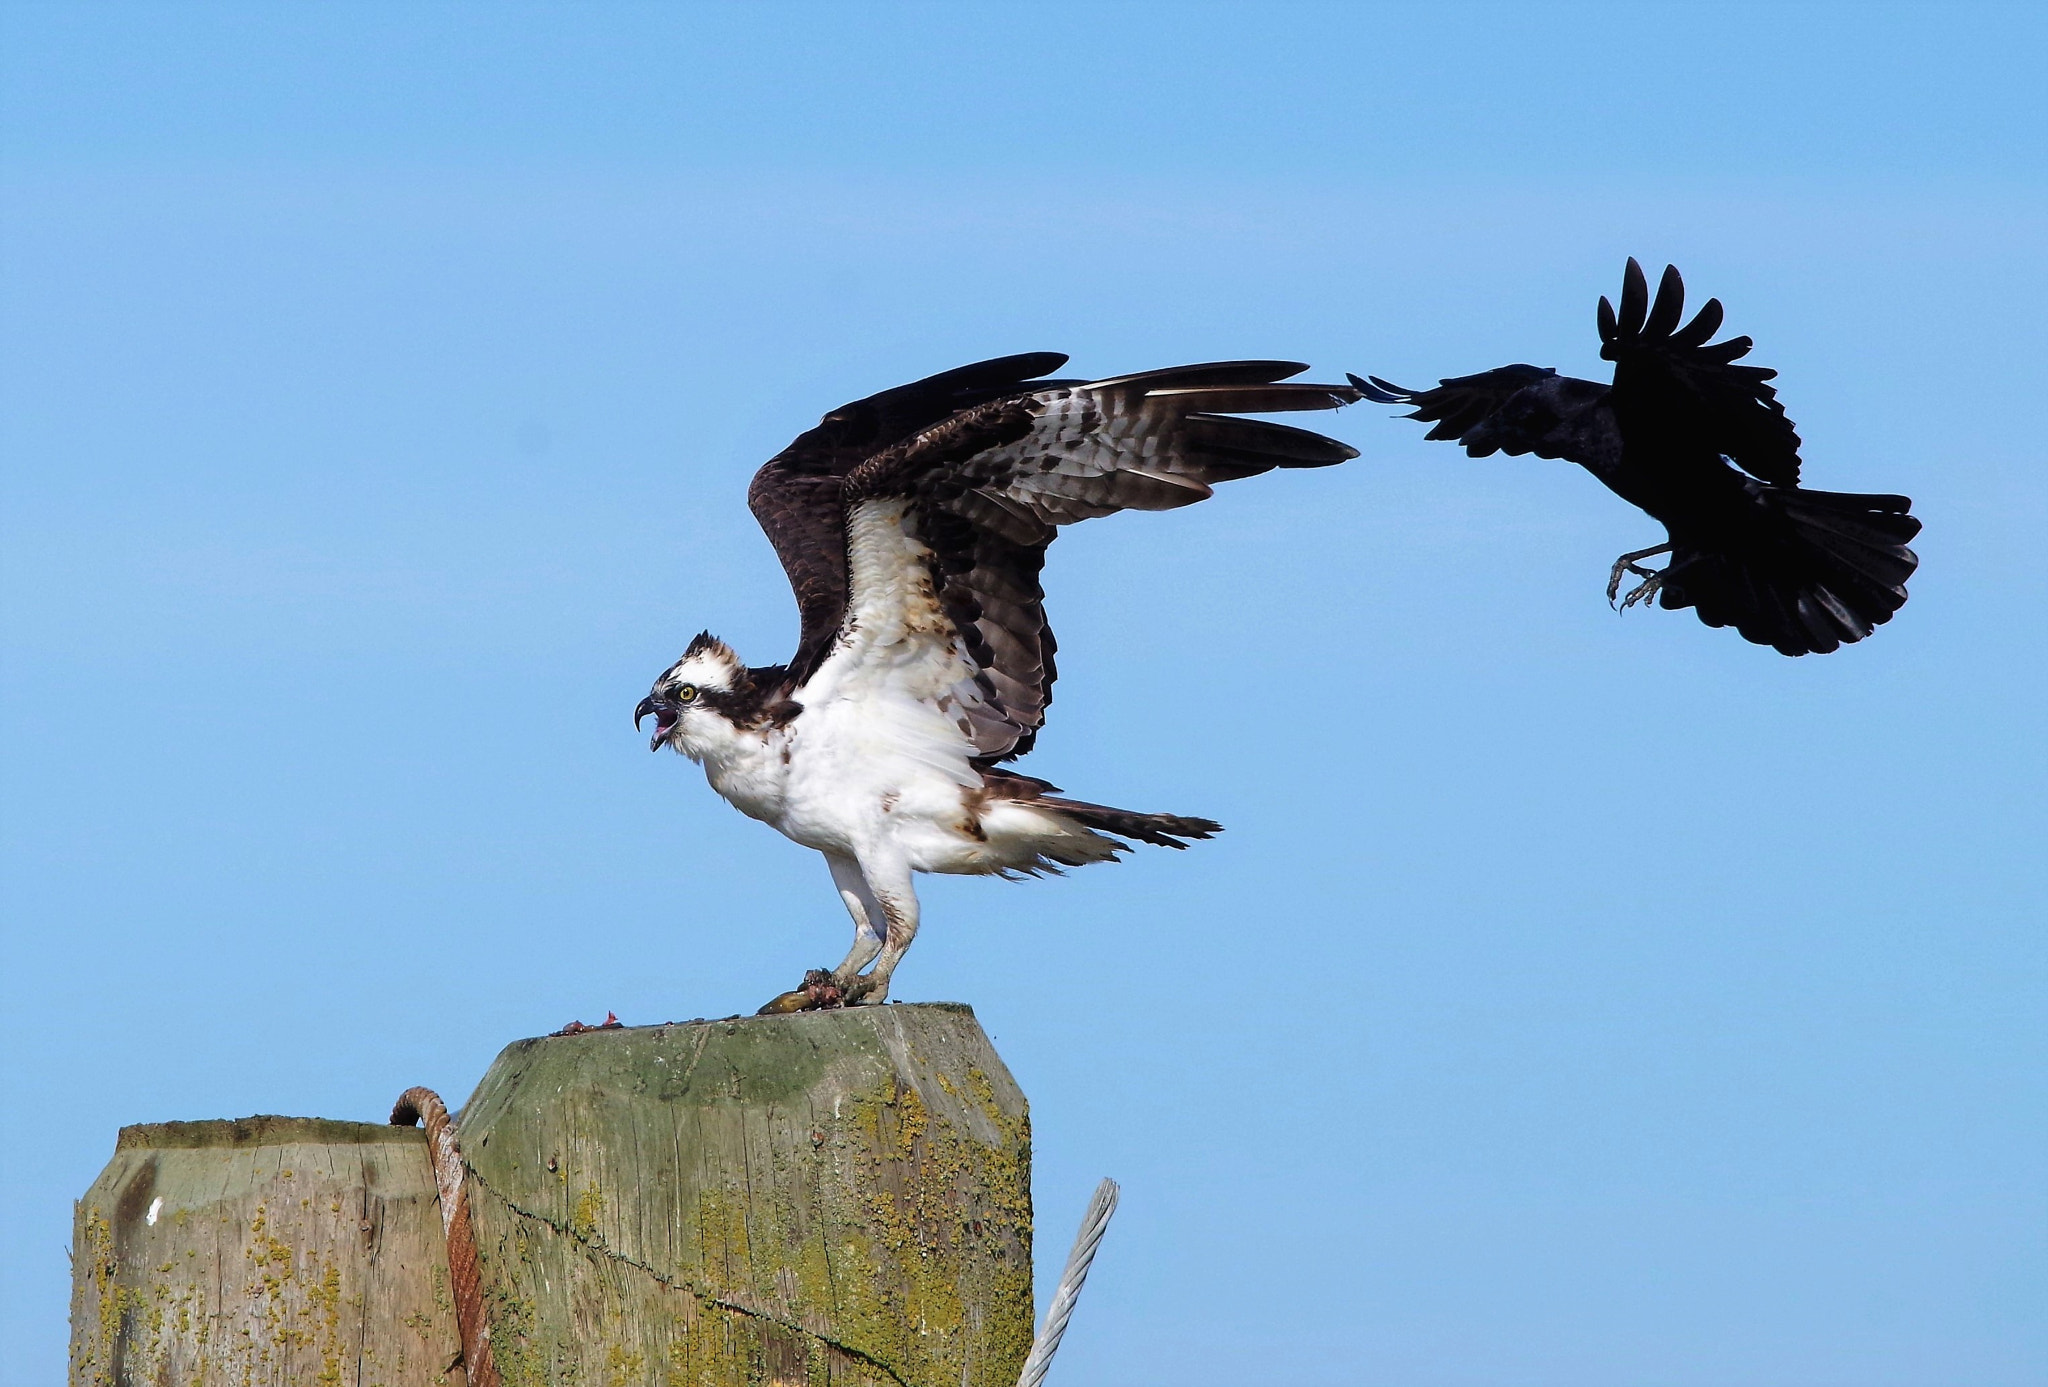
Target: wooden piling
262 1252
828 1198
833 1198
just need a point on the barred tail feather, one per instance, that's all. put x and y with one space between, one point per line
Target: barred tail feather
1077 828
1161 830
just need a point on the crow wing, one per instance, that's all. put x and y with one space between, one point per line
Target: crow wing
977 497
1516 410
1675 393
1804 571
1677 399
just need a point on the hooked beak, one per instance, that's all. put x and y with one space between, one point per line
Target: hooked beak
665 717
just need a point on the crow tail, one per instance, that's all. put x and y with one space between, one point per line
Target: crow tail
1826 568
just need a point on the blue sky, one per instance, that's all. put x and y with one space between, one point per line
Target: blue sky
1573 999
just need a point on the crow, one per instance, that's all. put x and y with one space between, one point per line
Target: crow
1701 444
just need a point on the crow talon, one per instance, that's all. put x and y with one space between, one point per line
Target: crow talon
1643 592
1627 563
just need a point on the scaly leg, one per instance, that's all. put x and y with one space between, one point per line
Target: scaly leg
1628 563
869 920
890 885
819 988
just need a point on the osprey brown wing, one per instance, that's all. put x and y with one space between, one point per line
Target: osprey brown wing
797 496
993 484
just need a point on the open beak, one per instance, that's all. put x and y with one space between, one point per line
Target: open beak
664 714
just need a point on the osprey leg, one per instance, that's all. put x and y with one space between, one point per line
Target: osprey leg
890 886
868 919
846 985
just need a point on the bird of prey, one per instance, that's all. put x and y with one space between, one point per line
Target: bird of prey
913 526
1701 444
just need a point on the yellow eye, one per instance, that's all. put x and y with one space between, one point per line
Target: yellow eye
687 694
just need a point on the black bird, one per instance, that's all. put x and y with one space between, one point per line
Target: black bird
1701 444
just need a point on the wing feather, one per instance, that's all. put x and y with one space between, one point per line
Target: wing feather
1670 383
990 485
798 496
1516 410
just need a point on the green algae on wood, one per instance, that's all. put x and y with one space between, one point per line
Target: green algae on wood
260 1252
828 1198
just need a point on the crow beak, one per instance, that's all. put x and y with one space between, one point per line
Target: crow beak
664 714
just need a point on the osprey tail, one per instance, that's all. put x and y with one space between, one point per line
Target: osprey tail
1161 830
1077 828
1833 568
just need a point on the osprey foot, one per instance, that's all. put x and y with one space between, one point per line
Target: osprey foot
867 990
823 991
820 991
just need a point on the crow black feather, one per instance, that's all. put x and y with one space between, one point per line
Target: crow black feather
1701 444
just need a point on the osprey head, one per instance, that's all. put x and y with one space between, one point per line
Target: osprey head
701 685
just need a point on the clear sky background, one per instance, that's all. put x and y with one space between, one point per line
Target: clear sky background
1575 999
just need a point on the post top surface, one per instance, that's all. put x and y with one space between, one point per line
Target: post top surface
843 1015
763 1060
263 1129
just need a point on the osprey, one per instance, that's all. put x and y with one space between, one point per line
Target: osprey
1803 571
913 526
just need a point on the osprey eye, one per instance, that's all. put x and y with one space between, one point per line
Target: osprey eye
686 694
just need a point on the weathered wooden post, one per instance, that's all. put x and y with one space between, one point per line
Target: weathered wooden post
835 1197
264 1252
828 1198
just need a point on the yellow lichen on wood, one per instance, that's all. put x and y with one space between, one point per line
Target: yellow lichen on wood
838 1198
196 1263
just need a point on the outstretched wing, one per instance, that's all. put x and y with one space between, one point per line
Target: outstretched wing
1673 391
1458 404
1516 410
947 530
797 496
